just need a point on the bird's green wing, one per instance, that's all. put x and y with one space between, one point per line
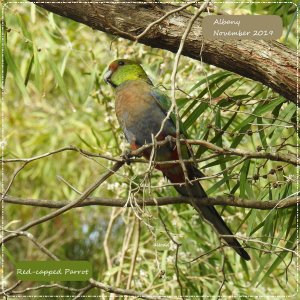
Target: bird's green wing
165 104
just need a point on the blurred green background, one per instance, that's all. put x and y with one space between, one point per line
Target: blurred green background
55 97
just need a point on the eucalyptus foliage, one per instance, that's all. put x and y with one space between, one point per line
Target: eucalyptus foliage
55 97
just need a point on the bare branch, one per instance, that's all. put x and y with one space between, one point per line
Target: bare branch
161 201
291 159
68 148
118 291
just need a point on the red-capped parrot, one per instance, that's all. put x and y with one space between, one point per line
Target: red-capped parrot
141 110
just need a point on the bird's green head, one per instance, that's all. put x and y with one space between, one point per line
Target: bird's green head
122 70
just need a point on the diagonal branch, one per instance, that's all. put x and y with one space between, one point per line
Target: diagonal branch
70 205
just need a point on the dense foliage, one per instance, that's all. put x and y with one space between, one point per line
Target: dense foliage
55 97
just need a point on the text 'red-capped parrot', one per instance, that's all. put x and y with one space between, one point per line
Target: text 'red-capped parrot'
141 110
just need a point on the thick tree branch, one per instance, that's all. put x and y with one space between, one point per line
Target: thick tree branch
230 201
268 62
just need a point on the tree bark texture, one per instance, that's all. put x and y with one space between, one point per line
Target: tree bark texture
268 62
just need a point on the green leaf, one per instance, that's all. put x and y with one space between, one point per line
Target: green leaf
243 178
286 115
9 255
292 219
12 67
219 77
3 66
219 143
224 87
216 186
208 78
96 138
209 89
37 69
262 135
60 82
258 111
89 87
218 161
64 62
291 25
85 142
218 136
195 114
289 245
29 70
23 27
252 219
262 263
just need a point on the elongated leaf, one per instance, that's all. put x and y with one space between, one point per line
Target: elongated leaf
258 111
195 114
219 143
96 138
219 161
243 178
289 245
61 83
37 69
287 115
291 25
206 90
9 255
3 65
85 142
29 70
217 136
216 186
15 71
262 135
263 261
246 124
207 79
59 80
23 27
224 87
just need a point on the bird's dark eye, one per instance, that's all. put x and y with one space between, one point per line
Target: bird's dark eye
121 63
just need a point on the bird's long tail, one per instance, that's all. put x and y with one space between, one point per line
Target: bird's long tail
175 175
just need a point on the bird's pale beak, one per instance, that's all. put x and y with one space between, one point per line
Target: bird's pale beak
107 76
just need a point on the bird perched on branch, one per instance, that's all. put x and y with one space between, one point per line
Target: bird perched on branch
142 111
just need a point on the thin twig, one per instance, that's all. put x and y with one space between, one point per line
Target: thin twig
113 217
83 291
29 236
178 245
135 253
